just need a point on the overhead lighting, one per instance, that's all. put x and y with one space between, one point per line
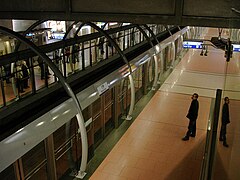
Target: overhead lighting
39 124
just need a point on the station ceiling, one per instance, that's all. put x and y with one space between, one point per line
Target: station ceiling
211 13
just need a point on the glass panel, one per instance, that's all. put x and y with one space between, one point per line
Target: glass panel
94 52
65 161
137 76
96 107
121 39
108 97
35 160
86 54
127 38
64 145
97 121
67 145
75 57
100 48
109 123
40 174
122 97
39 72
108 113
150 71
8 173
87 113
80 64
63 134
2 87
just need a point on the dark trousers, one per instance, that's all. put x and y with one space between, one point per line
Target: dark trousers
25 82
20 85
223 132
191 128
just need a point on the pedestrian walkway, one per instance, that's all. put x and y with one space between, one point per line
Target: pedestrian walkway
152 147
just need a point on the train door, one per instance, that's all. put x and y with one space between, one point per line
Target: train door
33 165
67 146
97 116
102 114
123 100
138 83
151 73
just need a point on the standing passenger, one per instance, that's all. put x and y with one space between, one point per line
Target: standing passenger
192 116
67 53
25 74
19 76
225 121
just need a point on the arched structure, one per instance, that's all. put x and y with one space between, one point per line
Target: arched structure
28 30
155 53
129 116
67 88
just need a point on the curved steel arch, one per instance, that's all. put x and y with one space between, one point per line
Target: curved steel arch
154 56
112 42
79 28
168 30
104 25
67 88
28 30
69 29
144 34
173 45
151 32
104 33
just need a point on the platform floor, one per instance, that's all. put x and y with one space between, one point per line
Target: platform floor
152 147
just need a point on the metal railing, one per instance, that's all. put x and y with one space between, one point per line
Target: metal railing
23 73
211 138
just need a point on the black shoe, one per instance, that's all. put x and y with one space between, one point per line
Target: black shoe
225 145
220 139
186 138
192 135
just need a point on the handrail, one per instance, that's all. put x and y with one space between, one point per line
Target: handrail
26 54
9 58
210 146
7 114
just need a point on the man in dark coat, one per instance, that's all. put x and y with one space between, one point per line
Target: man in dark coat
192 116
225 121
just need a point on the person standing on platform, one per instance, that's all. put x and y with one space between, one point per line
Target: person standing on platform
25 75
192 116
225 121
19 76
67 53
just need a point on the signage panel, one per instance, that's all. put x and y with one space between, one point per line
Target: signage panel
236 47
192 44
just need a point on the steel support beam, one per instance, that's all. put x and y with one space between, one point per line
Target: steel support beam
67 88
129 116
154 56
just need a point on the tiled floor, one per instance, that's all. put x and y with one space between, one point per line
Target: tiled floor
152 147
